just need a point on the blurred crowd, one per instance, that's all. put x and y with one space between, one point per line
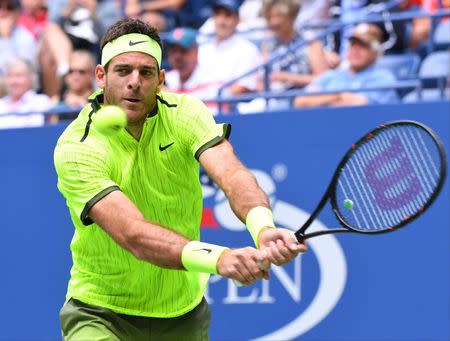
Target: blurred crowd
49 50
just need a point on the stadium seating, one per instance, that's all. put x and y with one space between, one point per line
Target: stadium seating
427 95
435 65
441 36
403 66
434 72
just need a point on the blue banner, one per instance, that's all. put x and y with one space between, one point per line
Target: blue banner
346 287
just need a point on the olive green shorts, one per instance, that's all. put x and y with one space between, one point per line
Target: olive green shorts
84 322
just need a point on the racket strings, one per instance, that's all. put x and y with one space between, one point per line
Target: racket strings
377 218
389 177
401 181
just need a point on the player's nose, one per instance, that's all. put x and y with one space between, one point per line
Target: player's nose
134 80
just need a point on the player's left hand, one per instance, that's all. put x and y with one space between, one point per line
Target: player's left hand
280 245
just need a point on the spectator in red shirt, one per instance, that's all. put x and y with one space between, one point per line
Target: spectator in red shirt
54 46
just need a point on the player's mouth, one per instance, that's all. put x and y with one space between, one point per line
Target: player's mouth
132 100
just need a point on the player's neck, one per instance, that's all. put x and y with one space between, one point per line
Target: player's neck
135 130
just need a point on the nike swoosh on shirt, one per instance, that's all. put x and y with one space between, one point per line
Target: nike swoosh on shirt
203 249
132 43
161 148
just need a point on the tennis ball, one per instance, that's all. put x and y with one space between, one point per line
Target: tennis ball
348 204
109 120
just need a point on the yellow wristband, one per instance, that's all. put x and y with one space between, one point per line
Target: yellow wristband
258 218
201 257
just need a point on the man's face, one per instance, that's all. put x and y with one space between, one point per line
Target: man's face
131 81
81 74
18 81
182 59
225 22
7 9
33 5
360 54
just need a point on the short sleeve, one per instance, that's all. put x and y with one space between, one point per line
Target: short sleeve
83 176
198 128
381 78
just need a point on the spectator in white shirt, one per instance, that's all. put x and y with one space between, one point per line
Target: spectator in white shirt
21 81
227 56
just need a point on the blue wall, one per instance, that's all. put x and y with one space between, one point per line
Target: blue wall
347 287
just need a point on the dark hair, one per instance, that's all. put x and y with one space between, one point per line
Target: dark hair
11 5
383 30
127 26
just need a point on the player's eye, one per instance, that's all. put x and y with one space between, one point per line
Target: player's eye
122 71
147 72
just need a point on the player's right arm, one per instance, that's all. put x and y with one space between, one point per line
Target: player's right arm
123 221
93 197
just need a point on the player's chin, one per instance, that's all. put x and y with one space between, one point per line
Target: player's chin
135 112
135 116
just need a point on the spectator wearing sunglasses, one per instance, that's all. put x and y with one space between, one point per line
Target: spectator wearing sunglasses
79 81
359 71
79 84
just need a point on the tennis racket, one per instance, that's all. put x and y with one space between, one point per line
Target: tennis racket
385 181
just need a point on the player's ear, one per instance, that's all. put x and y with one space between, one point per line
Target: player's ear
100 74
161 78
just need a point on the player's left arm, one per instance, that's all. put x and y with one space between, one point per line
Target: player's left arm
245 196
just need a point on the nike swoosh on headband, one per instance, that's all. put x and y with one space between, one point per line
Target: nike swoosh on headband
132 43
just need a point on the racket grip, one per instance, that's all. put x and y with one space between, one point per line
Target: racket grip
240 284
237 283
300 236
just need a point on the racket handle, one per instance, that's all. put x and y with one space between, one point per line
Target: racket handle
237 283
300 236
240 284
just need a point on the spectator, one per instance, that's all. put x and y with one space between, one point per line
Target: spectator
33 16
186 75
294 68
54 46
420 27
297 67
109 11
81 23
364 49
227 55
79 79
162 14
21 82
15 41
396 32
313 12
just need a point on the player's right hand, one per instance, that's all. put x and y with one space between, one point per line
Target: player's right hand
280 245
245 265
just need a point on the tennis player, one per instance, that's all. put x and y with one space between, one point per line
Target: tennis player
139 270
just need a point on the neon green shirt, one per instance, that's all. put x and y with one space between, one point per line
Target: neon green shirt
160 174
